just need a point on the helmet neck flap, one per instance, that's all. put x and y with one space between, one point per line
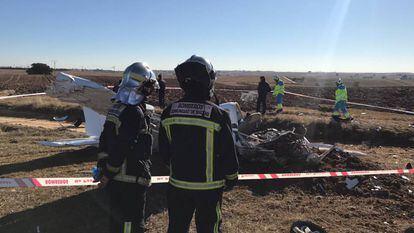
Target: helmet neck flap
128 95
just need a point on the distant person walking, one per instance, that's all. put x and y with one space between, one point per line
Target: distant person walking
341 97
161 91
279 92
262 89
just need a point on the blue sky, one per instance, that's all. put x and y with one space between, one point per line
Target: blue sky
290 35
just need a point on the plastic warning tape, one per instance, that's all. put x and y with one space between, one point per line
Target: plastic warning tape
84 181
321 99
353 103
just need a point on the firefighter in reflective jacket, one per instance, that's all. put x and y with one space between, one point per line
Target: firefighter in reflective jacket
279 92
196 143
341 97
125 149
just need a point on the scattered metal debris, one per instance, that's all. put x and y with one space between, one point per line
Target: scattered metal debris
376 188
351 183
281 146
55 118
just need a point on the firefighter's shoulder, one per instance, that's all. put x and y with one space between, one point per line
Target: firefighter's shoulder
166 111
116 110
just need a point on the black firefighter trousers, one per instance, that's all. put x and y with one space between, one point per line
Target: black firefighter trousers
261 104
182 204
161 99
127 206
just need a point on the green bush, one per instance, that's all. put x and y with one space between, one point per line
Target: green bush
39 68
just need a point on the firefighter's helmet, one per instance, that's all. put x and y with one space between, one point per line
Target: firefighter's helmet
196 70
137 82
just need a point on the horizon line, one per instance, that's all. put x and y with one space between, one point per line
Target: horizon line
234 70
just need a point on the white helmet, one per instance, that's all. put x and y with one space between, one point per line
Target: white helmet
138 81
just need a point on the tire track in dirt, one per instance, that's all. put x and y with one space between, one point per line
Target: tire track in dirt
36 123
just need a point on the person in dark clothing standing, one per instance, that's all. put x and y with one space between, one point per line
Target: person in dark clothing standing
161 91
125 147
196 142
262 89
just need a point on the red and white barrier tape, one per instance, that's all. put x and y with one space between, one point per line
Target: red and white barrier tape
83 181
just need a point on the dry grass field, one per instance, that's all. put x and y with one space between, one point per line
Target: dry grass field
265 206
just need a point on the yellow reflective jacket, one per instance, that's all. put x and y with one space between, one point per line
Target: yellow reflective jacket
341 94
279 88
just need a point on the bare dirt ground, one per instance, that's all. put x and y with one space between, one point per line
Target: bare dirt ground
31 122
251 207
265 206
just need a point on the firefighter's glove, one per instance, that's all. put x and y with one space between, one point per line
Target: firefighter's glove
145 166
103 182
101 163
102 158
229 185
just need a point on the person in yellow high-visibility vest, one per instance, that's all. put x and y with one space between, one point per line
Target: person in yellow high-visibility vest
341 97
279 92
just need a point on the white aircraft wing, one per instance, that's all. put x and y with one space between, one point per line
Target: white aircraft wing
95 100
69 88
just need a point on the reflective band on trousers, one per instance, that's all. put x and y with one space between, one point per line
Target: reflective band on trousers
210 128
102 155
133 179
232 176
218 213
127 227
168 132
112 168
196 185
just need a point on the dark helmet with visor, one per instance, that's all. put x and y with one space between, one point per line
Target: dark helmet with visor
196 72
